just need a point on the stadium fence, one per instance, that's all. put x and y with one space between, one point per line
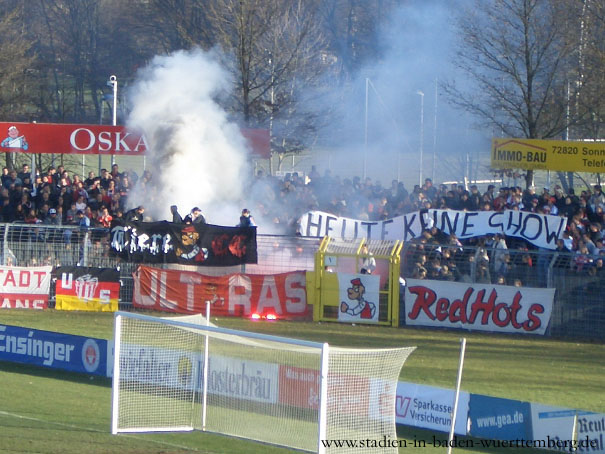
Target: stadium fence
578 313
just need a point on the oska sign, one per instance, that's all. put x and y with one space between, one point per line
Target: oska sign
85 140
94 139
71 138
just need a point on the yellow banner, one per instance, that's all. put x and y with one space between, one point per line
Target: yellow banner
534 154
74 303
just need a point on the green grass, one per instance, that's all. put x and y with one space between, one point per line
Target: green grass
47 411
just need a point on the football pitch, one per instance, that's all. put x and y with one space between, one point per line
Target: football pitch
47 411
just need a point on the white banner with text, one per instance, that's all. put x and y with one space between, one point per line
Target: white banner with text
482 307
539 229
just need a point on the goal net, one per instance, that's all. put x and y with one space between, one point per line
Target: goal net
179 374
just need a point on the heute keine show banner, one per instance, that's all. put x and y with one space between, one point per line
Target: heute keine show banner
87 289
191 244
539 229
283 295
24 288
483 307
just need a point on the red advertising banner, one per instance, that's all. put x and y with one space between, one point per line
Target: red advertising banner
241 295
94 139
24 288
299 387
484 307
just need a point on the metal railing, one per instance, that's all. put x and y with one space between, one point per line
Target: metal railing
579 280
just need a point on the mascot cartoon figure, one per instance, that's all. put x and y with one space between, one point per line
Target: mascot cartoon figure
357 305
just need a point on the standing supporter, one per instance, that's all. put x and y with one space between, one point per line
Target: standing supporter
124 187
97 202
80 203
53 218
475 198
116 205
428 189
115 172
71 215
88 182
105 178
79 191
104 217
135 215
246 219
597 198
5 177
111 189
368 264
195 217
31 217
82 220
176 217
25 172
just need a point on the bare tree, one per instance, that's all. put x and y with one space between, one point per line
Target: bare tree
18 69
17 62
518 54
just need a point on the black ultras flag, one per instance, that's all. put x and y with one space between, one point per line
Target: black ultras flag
192 244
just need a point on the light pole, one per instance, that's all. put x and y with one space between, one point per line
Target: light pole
113 82
421 134
365 141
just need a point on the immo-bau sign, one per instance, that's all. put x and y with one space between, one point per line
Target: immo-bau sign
548 155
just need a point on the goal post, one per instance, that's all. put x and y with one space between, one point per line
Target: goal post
175 375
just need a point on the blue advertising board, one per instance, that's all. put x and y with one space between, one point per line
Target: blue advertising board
493 418
54 350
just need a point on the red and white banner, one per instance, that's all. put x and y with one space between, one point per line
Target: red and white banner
94 139
24 288
483 307
283 295
299 387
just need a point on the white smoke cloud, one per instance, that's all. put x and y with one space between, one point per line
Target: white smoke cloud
196 155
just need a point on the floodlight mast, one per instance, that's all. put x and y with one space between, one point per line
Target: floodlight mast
113 82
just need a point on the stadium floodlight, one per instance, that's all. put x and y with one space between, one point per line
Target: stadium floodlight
176 375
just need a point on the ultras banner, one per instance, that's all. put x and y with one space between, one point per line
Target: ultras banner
24 288
539 229
191 244
483 307
95 139
87 289
283 295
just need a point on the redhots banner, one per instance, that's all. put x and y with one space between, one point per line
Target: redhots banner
87 289
94 139
283 295
483 307
192 244
24 288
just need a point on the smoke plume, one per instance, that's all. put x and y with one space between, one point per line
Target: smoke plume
196 155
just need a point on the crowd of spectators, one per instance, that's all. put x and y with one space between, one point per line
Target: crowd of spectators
57 197
495 258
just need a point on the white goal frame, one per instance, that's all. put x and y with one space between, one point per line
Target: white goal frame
323 349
